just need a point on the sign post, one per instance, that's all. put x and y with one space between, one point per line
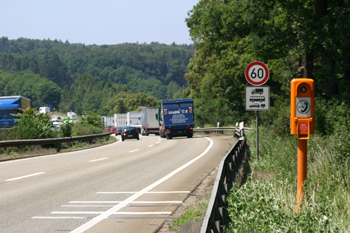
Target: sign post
302 123
257 97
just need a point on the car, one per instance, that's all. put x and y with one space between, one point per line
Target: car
119 130
113 129
109 128
130 132
254 105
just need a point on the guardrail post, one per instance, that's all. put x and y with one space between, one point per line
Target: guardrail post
217 227
229 183
59 147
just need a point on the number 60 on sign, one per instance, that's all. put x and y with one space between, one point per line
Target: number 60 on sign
257 73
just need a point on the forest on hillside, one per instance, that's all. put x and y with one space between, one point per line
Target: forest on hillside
87 77
294 38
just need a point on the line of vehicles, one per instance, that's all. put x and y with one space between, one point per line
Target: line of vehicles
172 118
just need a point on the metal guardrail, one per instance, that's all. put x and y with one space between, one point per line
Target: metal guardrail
48 141
215 129
217 213
220 129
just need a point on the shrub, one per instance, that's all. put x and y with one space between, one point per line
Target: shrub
91 118
33 125
79 129
66 130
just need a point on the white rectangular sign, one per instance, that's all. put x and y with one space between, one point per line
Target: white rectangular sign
257 98
303 107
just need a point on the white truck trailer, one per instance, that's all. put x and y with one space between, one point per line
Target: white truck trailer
120 120
149 121
107 121
44 110
134 118
72 115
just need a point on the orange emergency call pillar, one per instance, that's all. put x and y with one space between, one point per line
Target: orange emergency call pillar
302 123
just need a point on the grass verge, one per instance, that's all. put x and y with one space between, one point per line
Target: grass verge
266 201
12 153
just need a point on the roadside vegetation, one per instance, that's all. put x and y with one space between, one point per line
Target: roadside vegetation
11 153
193 214
296 39
34 125
268 198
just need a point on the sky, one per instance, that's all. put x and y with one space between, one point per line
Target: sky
97 21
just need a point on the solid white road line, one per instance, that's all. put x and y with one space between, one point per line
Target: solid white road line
22 177
105 215
89 206
132 202
111 212
38 217
150 145
133 151
165 192
91 161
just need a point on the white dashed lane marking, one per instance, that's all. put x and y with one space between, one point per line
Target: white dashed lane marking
22 177
91 161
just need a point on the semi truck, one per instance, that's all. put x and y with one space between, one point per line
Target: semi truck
120 119
44 110
72 115
107 121
177 118
9 106
149 121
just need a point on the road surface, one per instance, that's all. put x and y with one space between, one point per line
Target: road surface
130 186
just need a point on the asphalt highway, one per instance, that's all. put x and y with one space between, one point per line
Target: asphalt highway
129 186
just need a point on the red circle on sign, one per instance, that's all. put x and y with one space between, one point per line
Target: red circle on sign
263 80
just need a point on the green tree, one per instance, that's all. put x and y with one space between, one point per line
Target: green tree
292 37
126 102
39 90
91 118
33 125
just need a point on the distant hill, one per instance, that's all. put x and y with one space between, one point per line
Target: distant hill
154 69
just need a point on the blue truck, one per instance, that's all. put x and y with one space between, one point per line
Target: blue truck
9 106
176 118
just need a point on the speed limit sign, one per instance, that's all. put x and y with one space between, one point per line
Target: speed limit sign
257 73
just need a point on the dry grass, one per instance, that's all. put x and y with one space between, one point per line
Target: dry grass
12 153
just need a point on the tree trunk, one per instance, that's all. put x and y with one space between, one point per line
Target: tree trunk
307 64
